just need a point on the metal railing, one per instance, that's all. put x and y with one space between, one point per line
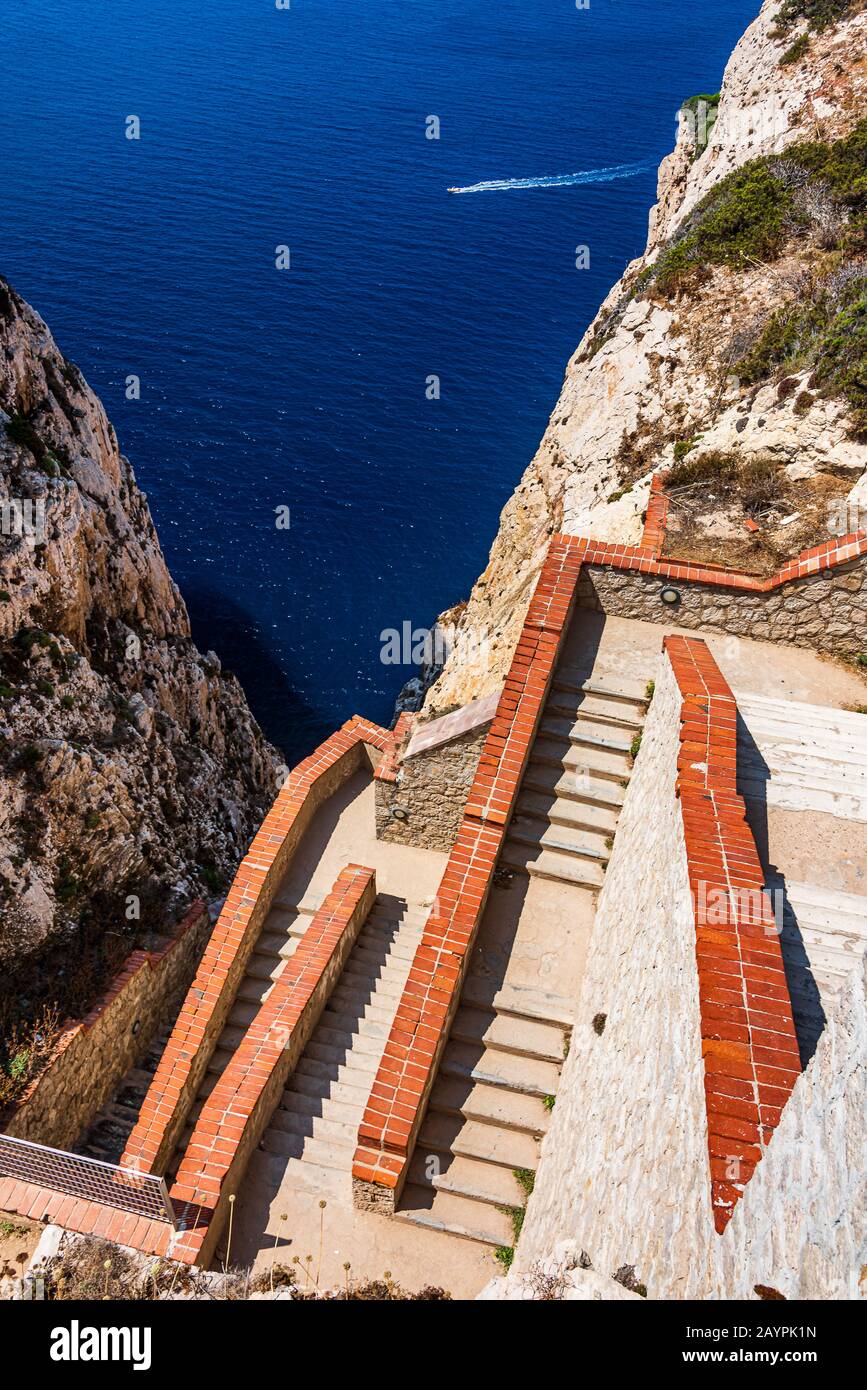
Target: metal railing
76 1175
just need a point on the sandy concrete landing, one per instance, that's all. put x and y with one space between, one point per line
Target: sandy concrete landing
336 1234
533 937
342 832
623 649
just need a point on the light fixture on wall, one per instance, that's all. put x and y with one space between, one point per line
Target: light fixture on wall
400 812
669 595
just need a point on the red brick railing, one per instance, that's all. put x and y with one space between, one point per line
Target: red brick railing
188 1051
399 1094
748 1037
238 1110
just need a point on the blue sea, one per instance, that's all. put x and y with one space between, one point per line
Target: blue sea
308 387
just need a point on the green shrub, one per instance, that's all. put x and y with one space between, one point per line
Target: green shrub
713 468
820 14
748 216
829 335
796 51
701 111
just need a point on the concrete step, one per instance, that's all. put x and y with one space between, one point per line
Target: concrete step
388 976
524 1037
356 1069
370 947
626 692
519 1002
264 967
549 863
563 704
359 1003
564 785
467 1177
528 830
296 1103
322 1089
845 910
586 733
577 815
524 1075
348 1021
329 1046
489 1105
509 1148
585 764
252 990
296 1123
330 1152
454 1216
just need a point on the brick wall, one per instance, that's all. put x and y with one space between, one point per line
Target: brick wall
399 1094
818 600
749 1045
209 999
94 1053
239 1109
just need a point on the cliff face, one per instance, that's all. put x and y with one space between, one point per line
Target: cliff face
132 773
695 362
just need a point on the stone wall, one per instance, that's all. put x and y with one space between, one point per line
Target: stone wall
624 1167
425 804
93 1055
826 612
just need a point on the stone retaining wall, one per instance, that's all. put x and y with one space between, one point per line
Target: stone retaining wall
424 806
94 1054
827 614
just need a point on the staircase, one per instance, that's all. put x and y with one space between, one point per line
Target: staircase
113 1124
313 1133
281 932
580 764
824 938
478 1150
802 757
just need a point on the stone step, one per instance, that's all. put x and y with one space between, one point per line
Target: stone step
516 1001
252 990
360 1003
584 733
489 1105
454 1216
388 975
297 1104
356 1069
585 765
348 1021
322 1088
509 1148
476 1181
852 906
276 943
329 1046
370 947
563 705
330 1152
629 692
288 1130
564 785
549 863
264 967
526 830
578 815
505 1070
504 1033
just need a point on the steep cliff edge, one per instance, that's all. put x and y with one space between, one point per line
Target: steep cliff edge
735 338
132 773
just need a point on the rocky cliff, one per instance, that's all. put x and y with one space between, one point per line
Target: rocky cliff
132 773
732 349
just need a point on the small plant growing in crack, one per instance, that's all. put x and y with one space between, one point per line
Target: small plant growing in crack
599 1021
548 1102
634 747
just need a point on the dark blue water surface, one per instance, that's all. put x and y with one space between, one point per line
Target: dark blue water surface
306 387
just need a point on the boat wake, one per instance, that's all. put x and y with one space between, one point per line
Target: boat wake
616 171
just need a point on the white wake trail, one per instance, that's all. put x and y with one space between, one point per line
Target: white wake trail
616 171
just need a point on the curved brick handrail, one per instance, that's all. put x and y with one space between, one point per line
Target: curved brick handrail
749 1045
203 1013
398 1098
238 1110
